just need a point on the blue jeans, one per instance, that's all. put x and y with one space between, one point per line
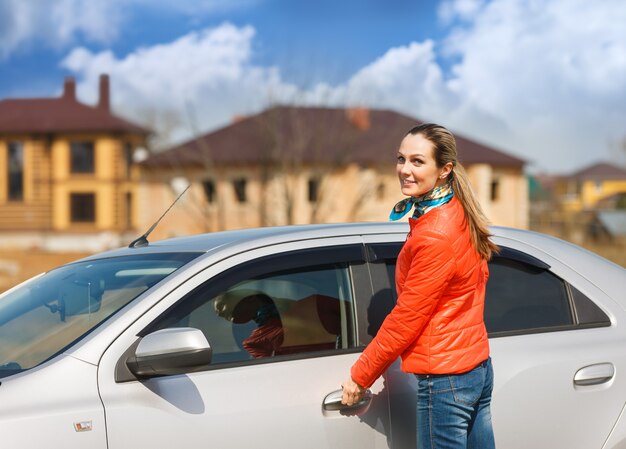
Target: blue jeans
453 411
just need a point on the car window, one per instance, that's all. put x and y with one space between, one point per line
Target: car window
271 307
522 295
42 317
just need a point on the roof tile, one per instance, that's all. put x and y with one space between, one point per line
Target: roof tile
312 134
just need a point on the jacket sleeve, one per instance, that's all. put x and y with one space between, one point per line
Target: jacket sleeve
431 268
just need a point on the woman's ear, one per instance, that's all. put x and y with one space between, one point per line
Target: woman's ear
446 170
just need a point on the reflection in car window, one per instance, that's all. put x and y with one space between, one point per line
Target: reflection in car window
267 315
49 313
521 297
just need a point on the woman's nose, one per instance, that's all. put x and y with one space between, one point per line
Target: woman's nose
405 169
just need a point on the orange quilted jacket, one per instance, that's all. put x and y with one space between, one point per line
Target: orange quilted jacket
437 324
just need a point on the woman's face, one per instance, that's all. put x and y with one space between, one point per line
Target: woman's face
416 167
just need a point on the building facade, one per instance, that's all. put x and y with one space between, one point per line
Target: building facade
290 165
67 176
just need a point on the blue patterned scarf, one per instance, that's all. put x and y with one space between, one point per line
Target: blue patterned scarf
423 203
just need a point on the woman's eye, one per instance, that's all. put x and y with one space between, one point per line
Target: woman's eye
400 160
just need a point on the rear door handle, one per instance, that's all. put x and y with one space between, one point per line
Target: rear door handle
594 374
332 401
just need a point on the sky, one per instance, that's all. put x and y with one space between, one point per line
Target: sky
543 80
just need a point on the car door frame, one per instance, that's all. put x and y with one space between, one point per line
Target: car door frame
373 429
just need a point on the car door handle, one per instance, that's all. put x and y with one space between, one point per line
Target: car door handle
332 401
594 374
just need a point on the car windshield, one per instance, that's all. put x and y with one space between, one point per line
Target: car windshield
48 314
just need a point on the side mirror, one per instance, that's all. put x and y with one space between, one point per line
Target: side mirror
170 351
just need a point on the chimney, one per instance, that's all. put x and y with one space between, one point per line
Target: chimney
359 117
69 88
104 101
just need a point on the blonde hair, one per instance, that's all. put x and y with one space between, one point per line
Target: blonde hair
445 152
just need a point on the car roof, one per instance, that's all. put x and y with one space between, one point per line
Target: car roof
254 237
263 236
577 258
211 242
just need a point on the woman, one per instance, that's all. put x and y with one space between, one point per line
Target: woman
437 324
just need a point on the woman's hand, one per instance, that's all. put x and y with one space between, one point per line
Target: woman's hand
352 392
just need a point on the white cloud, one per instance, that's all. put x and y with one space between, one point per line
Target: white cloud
543 80
554 72
55 23
203 79
195 83
60 23
450 10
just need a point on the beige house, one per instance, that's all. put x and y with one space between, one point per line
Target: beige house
67 177
291 165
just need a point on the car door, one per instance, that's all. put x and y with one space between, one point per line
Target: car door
273 380
555 352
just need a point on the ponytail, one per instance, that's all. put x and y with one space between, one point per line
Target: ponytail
476 219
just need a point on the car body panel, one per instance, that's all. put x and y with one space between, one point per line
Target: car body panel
278 403
44 406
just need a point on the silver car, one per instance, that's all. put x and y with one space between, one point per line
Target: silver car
240 339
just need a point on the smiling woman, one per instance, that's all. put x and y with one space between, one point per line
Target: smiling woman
437 325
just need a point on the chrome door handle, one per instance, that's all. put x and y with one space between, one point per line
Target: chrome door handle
594 374
332 401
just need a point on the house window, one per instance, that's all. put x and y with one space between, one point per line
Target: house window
83 207
240 189
16 171
314 188
82 157
495 190
209 190
129 210
128 157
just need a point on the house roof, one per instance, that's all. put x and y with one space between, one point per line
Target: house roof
600 172
63 114
313 134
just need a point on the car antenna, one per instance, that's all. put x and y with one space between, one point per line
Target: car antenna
143 240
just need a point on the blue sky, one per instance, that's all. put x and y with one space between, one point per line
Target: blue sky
544 80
